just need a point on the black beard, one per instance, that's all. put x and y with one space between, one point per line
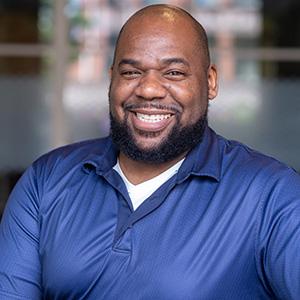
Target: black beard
179 141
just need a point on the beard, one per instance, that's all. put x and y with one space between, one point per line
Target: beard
181 139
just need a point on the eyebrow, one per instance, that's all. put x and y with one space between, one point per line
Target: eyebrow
165 61
128 61
175 60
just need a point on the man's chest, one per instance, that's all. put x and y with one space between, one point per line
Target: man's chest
190 247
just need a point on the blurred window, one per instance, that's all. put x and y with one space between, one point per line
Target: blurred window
54 62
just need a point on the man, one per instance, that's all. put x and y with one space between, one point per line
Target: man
162 209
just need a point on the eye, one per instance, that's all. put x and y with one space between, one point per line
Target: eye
130 74
175 75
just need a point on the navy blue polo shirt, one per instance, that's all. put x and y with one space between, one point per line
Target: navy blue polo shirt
226 226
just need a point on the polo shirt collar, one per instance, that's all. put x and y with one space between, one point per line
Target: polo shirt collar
104 160
203 160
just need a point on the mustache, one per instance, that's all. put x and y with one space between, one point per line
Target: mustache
176 108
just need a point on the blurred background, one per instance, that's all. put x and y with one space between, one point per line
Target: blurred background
55 55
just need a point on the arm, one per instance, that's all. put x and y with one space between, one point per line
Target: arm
278 246
20 270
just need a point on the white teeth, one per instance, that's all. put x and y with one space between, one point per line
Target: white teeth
152 118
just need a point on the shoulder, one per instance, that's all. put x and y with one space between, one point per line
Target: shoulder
238 156
69 157
241 166
82 148
77 151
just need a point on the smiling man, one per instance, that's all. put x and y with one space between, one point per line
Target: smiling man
159 90
163 208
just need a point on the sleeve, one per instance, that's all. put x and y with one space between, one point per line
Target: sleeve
20 270
278 244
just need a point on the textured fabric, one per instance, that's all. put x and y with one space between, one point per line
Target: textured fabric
226 226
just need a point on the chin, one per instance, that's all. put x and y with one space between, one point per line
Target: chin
148 147
157 147
149 140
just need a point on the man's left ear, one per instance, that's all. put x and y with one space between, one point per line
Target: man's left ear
110 72
212 77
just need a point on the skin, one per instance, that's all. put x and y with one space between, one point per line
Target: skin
159 69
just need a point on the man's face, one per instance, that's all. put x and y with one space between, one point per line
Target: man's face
159 84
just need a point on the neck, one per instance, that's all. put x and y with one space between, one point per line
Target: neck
137 172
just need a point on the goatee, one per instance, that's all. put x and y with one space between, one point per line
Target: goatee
179 141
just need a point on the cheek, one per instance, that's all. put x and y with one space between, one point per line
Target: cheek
115 103
120 92
193 102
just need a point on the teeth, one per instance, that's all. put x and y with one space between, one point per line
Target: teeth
152 118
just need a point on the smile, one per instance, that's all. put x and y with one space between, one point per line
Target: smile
152 118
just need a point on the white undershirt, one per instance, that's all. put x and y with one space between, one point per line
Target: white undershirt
140 192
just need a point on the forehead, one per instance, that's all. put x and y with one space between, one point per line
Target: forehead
158 36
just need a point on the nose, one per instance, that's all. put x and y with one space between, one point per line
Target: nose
150 87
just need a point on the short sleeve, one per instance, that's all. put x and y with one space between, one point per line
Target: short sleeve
278 244
20 271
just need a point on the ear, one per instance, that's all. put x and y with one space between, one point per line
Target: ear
110 72
212 77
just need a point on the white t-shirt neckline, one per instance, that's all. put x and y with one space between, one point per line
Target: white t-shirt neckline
140 192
